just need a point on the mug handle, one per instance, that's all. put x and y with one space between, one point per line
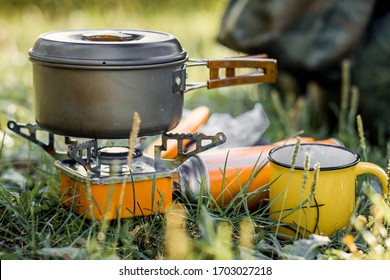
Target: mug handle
367 167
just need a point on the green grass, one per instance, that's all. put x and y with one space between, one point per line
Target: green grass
35 225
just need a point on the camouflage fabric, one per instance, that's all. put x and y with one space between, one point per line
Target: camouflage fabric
371 73
310 39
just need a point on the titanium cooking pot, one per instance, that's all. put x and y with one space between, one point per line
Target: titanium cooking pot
88 83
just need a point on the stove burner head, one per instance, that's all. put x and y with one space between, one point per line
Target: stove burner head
114 160
119 155
111 161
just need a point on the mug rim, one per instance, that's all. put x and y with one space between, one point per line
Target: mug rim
328 168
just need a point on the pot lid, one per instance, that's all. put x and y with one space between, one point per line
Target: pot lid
107 47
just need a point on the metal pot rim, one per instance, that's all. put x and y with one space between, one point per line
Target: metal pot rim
105 66
107 47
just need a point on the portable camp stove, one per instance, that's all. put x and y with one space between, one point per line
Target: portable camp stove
100 183
88 83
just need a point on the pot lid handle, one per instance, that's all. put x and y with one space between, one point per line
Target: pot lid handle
111 36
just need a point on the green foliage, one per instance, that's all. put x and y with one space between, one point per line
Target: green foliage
56 8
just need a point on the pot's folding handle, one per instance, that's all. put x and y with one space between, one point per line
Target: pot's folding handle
265 71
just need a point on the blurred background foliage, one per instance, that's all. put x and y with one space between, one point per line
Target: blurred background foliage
54 8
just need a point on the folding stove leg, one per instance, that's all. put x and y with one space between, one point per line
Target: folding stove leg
29 132
202 143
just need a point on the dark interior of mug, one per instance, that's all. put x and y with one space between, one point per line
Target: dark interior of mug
329 157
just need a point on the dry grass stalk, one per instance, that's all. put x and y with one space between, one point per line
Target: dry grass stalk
292 168
353 105
246 233
305 177
315 180
387 196
345 88
177 244
362 137
133 137
132 141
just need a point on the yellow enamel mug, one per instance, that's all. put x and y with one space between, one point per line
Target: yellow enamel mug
319 202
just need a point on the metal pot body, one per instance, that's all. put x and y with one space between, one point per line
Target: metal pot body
89 83
98 102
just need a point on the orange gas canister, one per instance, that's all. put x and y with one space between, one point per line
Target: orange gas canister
112 197
226 173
